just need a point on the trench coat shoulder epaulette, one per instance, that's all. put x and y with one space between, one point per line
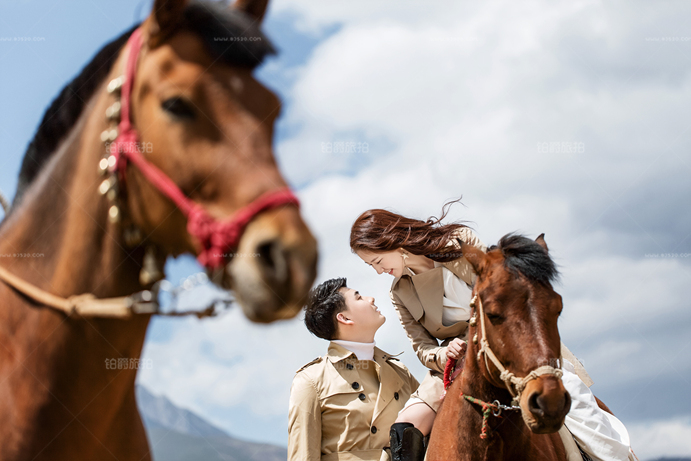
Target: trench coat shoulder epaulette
317 360
394 358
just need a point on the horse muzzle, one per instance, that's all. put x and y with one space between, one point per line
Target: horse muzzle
544 404
274 266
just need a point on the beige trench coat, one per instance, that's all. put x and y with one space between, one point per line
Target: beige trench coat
418 302
330 417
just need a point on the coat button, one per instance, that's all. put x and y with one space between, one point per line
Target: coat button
395 395
356 385
349 366
374 430
362 397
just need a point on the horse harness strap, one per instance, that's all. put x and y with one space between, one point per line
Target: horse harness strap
514 384
216 237
88 305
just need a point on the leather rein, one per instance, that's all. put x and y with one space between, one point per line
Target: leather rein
216 237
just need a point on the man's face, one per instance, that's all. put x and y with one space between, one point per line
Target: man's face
362 311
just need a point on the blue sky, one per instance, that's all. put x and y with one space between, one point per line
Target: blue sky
569 118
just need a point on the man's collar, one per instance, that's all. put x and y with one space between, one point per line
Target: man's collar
336 352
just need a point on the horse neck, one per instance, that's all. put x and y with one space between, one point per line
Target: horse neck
61 228
61 223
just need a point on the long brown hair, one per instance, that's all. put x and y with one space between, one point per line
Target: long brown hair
380 230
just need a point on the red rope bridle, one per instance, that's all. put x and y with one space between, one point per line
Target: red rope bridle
216 237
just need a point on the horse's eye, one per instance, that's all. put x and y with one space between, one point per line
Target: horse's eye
494 318
179 108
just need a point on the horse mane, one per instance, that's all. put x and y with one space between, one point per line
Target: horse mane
525 256
229 35
64 112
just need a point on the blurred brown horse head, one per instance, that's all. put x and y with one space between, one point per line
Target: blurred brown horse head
211 125
207 124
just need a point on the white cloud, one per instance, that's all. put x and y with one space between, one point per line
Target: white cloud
651 440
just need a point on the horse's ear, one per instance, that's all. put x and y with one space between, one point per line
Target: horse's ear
165 17
256 9
541 241
475 256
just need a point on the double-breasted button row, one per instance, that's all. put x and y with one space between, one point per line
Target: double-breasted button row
374 429
362 396
349 366
356 385
395 395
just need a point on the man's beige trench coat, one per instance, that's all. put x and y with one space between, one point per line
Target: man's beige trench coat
331 416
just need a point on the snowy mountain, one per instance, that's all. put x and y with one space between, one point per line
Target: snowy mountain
176 434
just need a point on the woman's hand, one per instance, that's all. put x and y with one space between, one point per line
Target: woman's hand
456 349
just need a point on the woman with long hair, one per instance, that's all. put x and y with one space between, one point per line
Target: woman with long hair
431 294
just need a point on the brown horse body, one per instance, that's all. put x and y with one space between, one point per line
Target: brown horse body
59 399
520 314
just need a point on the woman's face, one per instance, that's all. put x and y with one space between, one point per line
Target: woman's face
388 262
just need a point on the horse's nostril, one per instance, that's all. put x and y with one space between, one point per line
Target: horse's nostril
264 252
534 404
273 260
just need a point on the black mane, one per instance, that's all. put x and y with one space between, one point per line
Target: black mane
230 36
64 111
525 256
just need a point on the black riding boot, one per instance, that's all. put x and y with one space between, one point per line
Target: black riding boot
407 443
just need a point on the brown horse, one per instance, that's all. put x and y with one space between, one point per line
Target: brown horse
517 310
206 124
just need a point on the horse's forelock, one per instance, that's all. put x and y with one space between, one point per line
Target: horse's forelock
525 256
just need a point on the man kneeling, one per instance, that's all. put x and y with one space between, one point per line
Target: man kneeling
342 405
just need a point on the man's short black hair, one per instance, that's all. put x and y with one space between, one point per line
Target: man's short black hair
323 304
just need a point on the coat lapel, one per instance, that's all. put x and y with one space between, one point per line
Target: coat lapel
406 292
430 288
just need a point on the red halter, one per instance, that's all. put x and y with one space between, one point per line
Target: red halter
216 237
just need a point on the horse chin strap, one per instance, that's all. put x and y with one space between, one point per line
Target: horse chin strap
514 384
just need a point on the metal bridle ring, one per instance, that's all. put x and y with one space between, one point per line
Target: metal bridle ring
497 412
